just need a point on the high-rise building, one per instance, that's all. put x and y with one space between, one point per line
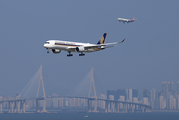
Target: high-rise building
78 102
135 99
119 92
49 102
146 93
170 89
111 97
172 103
135 93
84 102
122 98
152 100
111 106
164 89
55 102
178 88
157 103
162 103
129 94
1 97
67 102
145 100
170 86
177 102
61 102
167 91
102 103
110 92
73 102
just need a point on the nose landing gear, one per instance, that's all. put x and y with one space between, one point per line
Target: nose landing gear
47 50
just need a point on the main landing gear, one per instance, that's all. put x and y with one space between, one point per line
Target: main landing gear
47 50
69 55
81 54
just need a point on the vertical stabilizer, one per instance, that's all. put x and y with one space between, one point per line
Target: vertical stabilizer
103 38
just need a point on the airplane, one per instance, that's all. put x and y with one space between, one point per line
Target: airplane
57 45
126 20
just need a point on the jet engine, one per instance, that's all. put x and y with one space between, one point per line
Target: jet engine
80 49
56 51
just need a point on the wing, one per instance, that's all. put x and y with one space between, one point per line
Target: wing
103 45
113 43
100 45
96 46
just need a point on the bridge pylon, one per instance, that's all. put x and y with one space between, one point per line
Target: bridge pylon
41 81
92 83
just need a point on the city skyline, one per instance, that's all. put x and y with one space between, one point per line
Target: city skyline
166 99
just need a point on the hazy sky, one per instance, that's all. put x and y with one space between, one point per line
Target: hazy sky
147 57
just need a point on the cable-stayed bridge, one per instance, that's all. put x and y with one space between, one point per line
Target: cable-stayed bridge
18 105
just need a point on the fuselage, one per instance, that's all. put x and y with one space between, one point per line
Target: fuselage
125 20
68 45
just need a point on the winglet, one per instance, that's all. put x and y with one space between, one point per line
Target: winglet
122 41
103 38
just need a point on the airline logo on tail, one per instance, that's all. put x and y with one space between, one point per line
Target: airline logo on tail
133 18
103 38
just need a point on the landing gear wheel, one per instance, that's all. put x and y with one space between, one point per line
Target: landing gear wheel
69 55
47 50
81 54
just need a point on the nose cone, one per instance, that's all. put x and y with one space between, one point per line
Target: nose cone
45 45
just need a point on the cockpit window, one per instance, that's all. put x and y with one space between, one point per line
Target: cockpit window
47 42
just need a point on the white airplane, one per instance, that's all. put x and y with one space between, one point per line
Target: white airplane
126 20
57 45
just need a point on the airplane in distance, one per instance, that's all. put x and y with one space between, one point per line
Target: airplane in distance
126 20
57 45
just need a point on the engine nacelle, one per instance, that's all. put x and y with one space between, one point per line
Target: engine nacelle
56 51
80 49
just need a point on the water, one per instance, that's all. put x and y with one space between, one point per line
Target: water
93 116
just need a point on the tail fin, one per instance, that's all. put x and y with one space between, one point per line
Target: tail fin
133 18
103 38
